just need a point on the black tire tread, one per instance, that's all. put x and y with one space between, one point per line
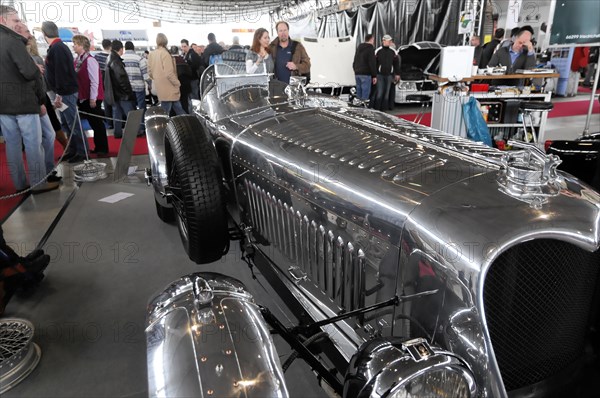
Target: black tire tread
199 172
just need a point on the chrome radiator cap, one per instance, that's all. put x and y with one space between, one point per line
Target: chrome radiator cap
529 174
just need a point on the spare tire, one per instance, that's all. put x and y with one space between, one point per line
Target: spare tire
195 184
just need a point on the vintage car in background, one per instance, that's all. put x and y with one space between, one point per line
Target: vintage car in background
418 264
417 60
580 157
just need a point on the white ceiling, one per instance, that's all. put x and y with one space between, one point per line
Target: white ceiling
199 12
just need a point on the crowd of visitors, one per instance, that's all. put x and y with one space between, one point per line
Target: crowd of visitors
43 97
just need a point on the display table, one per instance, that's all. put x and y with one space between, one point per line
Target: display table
447 115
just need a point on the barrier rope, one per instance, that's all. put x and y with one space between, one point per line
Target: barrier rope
54 169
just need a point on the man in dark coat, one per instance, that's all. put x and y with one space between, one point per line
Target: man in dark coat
21 99
213 48
520 55
476 42
489 48
236 44
62 80
365 67
194 61
388 70
185 76
117 88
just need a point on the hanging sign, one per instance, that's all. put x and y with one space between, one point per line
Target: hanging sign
587 29
465 25
512 14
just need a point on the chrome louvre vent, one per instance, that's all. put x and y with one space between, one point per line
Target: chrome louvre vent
336 267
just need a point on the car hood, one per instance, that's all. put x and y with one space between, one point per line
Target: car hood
419 55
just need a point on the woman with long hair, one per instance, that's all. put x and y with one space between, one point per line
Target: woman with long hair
259 57
163 72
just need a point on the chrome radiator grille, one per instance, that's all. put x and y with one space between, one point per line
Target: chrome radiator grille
336 267
538 298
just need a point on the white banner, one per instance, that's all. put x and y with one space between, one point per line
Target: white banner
125 35
512 14
303 27
331 61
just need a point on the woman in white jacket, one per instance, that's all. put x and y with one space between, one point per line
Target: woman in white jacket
259 59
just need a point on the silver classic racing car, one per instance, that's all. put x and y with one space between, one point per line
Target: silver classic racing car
418 264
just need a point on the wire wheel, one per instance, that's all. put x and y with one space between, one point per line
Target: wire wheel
18 354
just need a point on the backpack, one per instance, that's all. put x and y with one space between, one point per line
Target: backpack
215 59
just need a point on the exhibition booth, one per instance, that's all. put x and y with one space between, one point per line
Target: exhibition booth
286 239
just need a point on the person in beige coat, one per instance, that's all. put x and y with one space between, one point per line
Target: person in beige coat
162 71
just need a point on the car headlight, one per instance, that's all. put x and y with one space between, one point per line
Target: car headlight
391 368
437 383
407 86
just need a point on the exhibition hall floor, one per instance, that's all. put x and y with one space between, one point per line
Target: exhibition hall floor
108 259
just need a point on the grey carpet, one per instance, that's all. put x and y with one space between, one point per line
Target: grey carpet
89 311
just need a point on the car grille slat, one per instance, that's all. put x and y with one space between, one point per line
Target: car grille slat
537 298
338 272
321 262
337 267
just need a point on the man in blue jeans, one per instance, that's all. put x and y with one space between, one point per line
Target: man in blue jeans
21 99
137 70
117 88
365 67
388 70
62 80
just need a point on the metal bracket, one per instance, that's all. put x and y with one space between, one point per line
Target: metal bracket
394 301
290 337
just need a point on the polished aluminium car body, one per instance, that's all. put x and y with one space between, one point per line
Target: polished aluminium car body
491 256
208 325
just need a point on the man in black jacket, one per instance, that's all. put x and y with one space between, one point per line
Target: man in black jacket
520 55
476 42
62 80
489 48
365 67
213 48
185 76
388 70
193 60
21 99
117 88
